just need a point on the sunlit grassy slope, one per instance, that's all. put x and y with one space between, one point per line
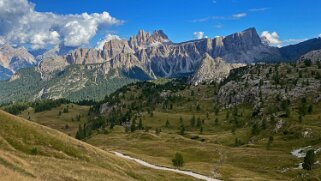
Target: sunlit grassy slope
29 151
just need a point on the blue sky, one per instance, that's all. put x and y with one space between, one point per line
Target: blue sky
292 20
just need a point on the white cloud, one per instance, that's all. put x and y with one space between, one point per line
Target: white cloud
319 36
199 35
21 24
232 17
219 26
258 9
109 37
239 15
272 38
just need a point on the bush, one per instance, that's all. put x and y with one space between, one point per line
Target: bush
34 151
178 160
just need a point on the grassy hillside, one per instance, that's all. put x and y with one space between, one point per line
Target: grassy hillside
67 122
257 125
33 152
238 141
223 149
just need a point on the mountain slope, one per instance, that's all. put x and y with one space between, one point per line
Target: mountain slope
76 83
33 152
212 69
314 56
293 52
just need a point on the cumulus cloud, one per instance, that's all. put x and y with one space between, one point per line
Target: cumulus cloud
319 36
109 37
21 24
239 15
272 38
199 35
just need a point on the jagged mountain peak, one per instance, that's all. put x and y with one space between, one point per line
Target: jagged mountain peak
12 59
160 36
144 39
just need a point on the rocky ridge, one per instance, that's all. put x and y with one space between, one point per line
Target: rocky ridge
159 57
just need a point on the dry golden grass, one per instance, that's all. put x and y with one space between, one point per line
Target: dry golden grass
60 157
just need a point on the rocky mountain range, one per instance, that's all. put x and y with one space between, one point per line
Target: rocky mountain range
144 56
157 56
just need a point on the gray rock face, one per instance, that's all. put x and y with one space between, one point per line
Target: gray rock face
212 70
314 56
12 59
159 57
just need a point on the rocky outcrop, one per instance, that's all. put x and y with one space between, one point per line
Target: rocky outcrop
259 83
212 70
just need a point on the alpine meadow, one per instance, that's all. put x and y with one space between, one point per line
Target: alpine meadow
160 90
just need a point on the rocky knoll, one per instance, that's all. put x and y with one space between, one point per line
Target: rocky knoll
280 82
213 69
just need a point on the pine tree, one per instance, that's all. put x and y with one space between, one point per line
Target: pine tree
140 124
181 120
269 143
310 109
182 130
193 121
255 129
167 124
178 160
309 160
80 133
133 126
157 131
199 122
216 122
